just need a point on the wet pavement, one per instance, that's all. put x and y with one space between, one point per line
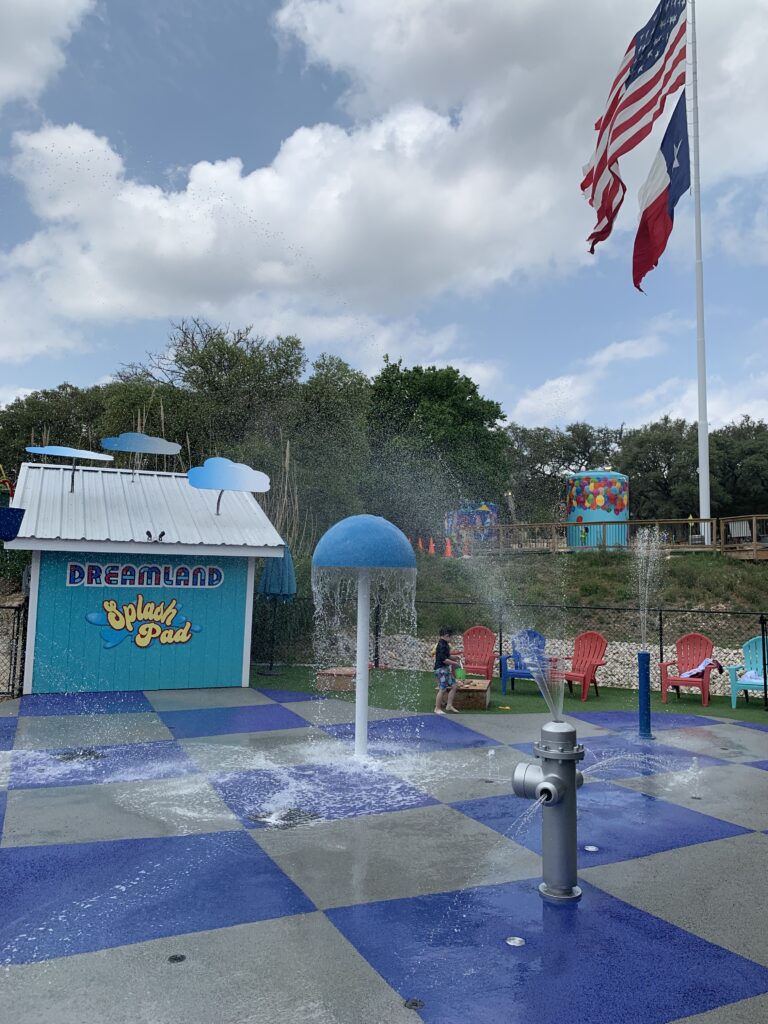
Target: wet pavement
219 856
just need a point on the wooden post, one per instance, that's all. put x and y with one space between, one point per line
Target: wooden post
754 537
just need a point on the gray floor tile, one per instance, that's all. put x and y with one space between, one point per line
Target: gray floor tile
727 742
511 728
746 1011
254 750
734 792
464 774
55 731
5 768
386 856
213 697
716 890
9 707
332 711
120 810
297 970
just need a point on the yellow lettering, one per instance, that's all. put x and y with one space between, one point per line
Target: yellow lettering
170 613
166 637
129 614
140 608
149 611
182 634
146 633
114 617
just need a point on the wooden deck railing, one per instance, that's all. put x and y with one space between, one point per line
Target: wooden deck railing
742 536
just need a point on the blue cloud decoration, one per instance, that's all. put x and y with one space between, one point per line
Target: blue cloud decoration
63 452
224 475
136 442
221 475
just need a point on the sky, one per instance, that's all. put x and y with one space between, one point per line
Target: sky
378 177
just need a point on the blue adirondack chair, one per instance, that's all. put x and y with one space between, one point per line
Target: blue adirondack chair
527 651
753 670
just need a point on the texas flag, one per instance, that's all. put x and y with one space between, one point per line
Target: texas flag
670 176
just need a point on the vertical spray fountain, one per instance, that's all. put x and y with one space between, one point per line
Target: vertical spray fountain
377 556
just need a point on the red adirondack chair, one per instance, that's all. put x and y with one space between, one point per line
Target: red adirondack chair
588 652
479 651
692 649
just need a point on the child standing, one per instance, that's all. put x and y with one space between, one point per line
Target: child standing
446 680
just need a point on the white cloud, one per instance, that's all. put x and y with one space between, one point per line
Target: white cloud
569 397
726 402
10 393
33 34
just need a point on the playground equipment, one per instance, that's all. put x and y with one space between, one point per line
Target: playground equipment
597 509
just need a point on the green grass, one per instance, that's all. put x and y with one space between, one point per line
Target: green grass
415 691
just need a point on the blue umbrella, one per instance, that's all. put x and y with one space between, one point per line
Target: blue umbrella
277 584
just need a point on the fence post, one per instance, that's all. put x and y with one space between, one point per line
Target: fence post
501 637
661 635
754 537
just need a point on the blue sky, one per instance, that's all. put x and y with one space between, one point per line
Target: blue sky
376 176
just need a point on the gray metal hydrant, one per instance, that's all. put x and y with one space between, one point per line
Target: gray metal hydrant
555 782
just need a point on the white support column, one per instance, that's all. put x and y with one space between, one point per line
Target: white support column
361 673
701 357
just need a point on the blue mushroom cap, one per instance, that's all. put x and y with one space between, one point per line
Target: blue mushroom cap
364 542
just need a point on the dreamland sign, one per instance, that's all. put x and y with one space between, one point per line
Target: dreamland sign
93 574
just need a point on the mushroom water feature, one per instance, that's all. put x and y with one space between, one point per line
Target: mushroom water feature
374 554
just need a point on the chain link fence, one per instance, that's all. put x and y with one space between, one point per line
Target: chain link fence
13 617
293 625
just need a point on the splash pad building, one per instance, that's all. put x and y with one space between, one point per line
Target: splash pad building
136 582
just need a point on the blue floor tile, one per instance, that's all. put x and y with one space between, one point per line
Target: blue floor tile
621 823
759 764
598 962
3 799
7 732
625 756
123 701
416 733
218 721
62 900
288 696
622 721
330 792
762 726
124 763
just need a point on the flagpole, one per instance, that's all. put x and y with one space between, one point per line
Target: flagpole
701 355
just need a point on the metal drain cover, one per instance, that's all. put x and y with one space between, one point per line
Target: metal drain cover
413 1004
176 958
289 818
81 754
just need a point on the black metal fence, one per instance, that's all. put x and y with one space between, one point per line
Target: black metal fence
13 618
559 623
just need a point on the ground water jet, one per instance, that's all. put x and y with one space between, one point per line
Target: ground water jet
372 552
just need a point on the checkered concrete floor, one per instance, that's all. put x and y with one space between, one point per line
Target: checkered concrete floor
234 830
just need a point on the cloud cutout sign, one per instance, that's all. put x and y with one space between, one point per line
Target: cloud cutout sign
132 441
224 475
68 453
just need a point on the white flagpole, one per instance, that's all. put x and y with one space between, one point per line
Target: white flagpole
701 356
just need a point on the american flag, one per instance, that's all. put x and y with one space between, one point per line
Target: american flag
653 68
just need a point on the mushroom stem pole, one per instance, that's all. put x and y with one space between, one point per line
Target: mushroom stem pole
361 672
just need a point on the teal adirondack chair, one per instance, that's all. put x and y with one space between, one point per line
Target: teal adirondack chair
753 670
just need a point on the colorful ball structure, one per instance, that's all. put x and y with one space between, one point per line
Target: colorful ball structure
598 508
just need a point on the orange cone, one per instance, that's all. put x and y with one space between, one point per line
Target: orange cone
431 548
448 548
420 546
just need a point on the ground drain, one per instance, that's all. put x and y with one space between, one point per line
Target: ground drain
414 1004
289 818
176 958
81 754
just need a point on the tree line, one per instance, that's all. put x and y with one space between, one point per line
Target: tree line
409 443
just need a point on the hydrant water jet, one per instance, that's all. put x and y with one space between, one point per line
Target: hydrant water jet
555 782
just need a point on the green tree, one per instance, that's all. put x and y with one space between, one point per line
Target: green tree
660 460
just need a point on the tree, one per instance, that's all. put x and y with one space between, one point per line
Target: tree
660 460
434 440
739 461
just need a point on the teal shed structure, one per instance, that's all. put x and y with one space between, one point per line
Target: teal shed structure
136 582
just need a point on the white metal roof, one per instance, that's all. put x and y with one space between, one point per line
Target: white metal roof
114 509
